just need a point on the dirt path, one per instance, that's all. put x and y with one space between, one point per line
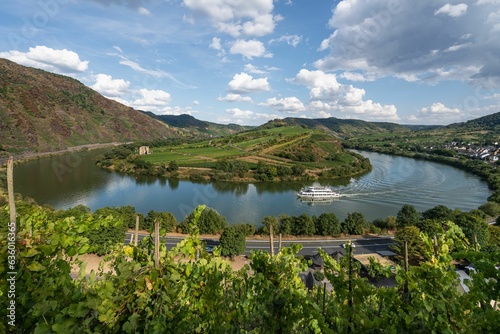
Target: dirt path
270 148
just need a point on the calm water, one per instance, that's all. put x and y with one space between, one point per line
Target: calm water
66 181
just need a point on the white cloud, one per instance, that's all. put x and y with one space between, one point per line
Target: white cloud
143 11
153 73
53 60
249 49
151 100
260 70
289 105
235 98
109 87
292 40
322 114
380 38
188 19
176 110
452 10
215 44
328 95
260 26
438 113
356 76
238 113
252 69
236 18
239 116
244 83
439 109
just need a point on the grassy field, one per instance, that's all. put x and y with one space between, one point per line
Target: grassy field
253 146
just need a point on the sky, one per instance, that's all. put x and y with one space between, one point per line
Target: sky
250 61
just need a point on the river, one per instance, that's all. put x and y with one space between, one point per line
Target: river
69 180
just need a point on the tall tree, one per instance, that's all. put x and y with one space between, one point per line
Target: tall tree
327 224
268 221
209 222
407 216
415 244
167 221
232 242
304 225
355 223
440 213
474 227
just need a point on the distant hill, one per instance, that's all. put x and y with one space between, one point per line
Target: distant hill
488 122
198 127
42 111
340 127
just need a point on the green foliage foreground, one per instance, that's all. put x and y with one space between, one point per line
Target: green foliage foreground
194 292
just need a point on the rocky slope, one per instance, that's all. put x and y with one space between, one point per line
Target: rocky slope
42 111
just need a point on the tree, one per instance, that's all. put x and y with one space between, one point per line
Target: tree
167 221
430 227
327 224
304 225
76 211
286 224
209 222
492 209
268 221
232 242
407 216
440 213
354 223
387 224
298 170
109 233
494 241
474 227
172 166
284 171
415 244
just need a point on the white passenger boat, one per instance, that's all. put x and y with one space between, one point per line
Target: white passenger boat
318 193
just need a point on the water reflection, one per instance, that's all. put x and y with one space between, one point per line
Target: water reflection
67 181
235 188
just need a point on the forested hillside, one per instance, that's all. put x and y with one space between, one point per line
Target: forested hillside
42 111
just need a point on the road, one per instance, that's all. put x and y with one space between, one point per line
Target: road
363 245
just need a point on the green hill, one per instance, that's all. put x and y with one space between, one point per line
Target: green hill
485 123
42 111
196 127
340 127
264 154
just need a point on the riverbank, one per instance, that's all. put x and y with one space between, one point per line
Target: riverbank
36 155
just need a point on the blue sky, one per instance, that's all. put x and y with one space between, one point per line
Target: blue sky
249 61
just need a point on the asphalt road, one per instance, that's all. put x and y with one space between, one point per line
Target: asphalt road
363 245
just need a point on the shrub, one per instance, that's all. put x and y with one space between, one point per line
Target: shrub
209 222
232 242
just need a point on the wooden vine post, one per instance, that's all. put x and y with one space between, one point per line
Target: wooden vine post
136 239
10 191
271 241
350 290
157 244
